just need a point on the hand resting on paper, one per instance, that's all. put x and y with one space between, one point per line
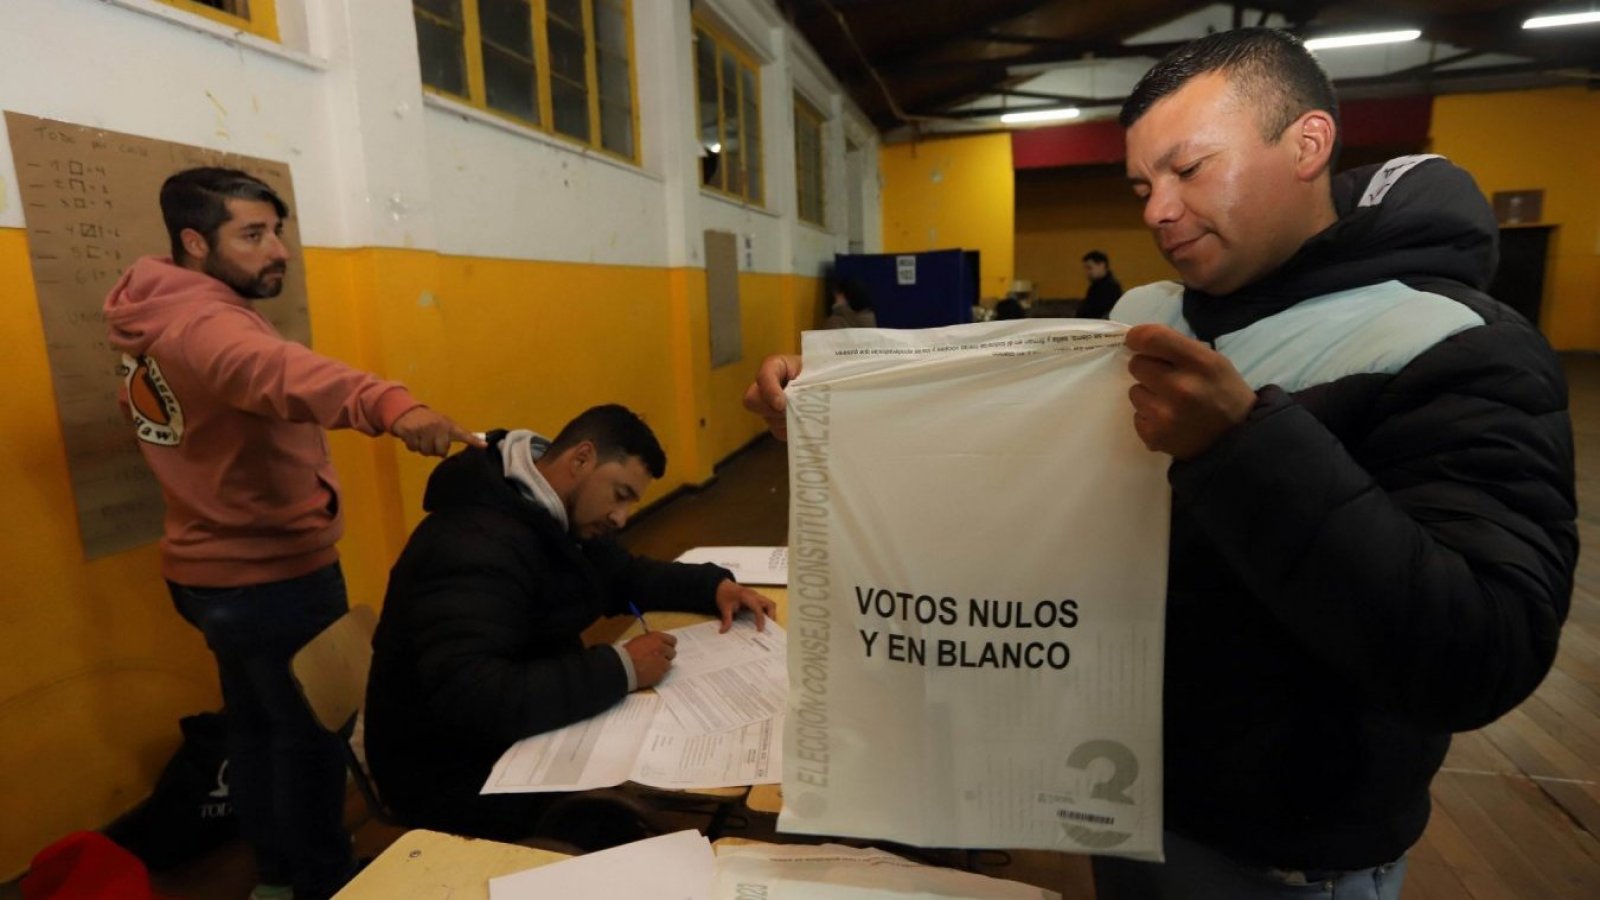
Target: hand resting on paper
733 596
764 396
652 656
1187 395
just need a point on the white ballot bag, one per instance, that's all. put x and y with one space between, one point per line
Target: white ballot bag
977 589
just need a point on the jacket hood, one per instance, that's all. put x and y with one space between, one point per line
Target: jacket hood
153 293
1420 221
477 477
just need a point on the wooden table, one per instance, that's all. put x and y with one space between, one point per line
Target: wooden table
765 798
430 865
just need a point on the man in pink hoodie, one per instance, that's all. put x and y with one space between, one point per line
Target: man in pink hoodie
230 417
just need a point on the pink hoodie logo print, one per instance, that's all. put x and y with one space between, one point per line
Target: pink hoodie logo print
157 416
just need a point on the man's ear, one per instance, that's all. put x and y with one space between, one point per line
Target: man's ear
582 457
195 245
1314 134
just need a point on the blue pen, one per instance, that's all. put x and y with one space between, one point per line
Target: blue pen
634 608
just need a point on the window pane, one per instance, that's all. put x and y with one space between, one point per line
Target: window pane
510 73
569 68
616 128
444 9
616 84
240 8
611 26
567 51
616 113
752 131
568 11
731 149
506 24
712 171
569 108
509 83
808 162
440 46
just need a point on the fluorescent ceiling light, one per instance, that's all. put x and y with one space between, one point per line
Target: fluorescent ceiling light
1363 40
1040 115
1583 18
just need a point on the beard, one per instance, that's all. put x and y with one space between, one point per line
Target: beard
262 285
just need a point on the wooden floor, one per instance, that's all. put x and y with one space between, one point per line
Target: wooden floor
1516 809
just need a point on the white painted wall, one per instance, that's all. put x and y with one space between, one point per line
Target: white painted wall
376 162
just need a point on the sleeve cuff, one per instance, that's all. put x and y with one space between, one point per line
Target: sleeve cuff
627 667
395 402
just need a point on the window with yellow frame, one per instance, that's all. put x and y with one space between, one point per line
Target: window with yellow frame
563 66
255 16
808 172
728 93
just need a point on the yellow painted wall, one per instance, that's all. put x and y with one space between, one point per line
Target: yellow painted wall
1540 140
99 668
1064 213
949 193
95 657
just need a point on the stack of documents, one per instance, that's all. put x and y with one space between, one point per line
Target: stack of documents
749 565
681 867
715 721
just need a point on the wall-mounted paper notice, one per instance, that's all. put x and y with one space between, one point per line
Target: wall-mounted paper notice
91 201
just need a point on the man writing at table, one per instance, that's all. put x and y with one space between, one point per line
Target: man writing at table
479 644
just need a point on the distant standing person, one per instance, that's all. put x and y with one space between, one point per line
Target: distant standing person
230 418
852 306
1104 289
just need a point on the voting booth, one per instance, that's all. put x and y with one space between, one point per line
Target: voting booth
915 290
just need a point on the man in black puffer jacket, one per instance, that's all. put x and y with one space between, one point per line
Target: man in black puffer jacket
1373 535
480 645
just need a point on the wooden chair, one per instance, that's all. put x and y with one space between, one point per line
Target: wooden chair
331 672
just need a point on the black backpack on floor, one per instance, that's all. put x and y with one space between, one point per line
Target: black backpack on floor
189 813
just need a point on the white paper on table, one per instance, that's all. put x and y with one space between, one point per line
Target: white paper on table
678 866
722 681
836 872
702 649
749 565
597 752
728 698
671 758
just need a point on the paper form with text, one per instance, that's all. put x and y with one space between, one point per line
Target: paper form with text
718 723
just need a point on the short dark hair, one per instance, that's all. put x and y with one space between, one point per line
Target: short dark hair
197 198
855 293
1097 257
1268 68
617 433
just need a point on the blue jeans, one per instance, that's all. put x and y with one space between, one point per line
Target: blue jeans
286 774
1196 872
